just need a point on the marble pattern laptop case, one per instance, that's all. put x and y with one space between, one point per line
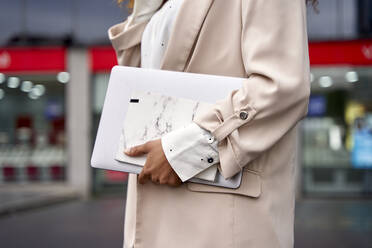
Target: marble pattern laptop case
151 115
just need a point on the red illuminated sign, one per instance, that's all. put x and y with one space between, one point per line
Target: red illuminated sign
32 59
357 53
102 58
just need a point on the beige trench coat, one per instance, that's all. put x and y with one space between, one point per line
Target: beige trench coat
264 42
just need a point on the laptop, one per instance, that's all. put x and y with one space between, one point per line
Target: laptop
129 107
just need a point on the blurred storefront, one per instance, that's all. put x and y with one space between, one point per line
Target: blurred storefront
37 131
337 133
32 115
50 111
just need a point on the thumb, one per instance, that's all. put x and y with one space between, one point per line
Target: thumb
137 150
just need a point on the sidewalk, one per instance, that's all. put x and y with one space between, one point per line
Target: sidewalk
98 222
93 223
17 197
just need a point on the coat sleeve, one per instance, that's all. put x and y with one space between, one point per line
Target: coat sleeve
126 36
275 93
127 44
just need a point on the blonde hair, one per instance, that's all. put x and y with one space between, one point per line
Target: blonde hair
129 5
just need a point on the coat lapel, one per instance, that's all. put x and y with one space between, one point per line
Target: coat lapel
185 30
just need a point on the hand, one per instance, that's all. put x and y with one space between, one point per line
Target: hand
157 167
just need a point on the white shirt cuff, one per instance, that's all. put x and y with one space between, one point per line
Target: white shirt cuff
191 150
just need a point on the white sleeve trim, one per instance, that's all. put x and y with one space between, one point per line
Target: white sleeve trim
191 150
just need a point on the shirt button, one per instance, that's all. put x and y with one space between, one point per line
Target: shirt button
210 140
243 115
210 160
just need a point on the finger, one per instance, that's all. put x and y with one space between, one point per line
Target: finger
174 182
145 174
164 179
137 150
142 178
155 179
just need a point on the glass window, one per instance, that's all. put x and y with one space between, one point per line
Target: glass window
337 133
32 129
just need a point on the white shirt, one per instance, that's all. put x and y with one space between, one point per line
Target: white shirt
196 147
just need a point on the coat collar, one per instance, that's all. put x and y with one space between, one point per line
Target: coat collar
188 22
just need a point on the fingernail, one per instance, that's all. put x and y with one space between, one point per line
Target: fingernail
127 150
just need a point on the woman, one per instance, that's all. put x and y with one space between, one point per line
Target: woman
253 129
